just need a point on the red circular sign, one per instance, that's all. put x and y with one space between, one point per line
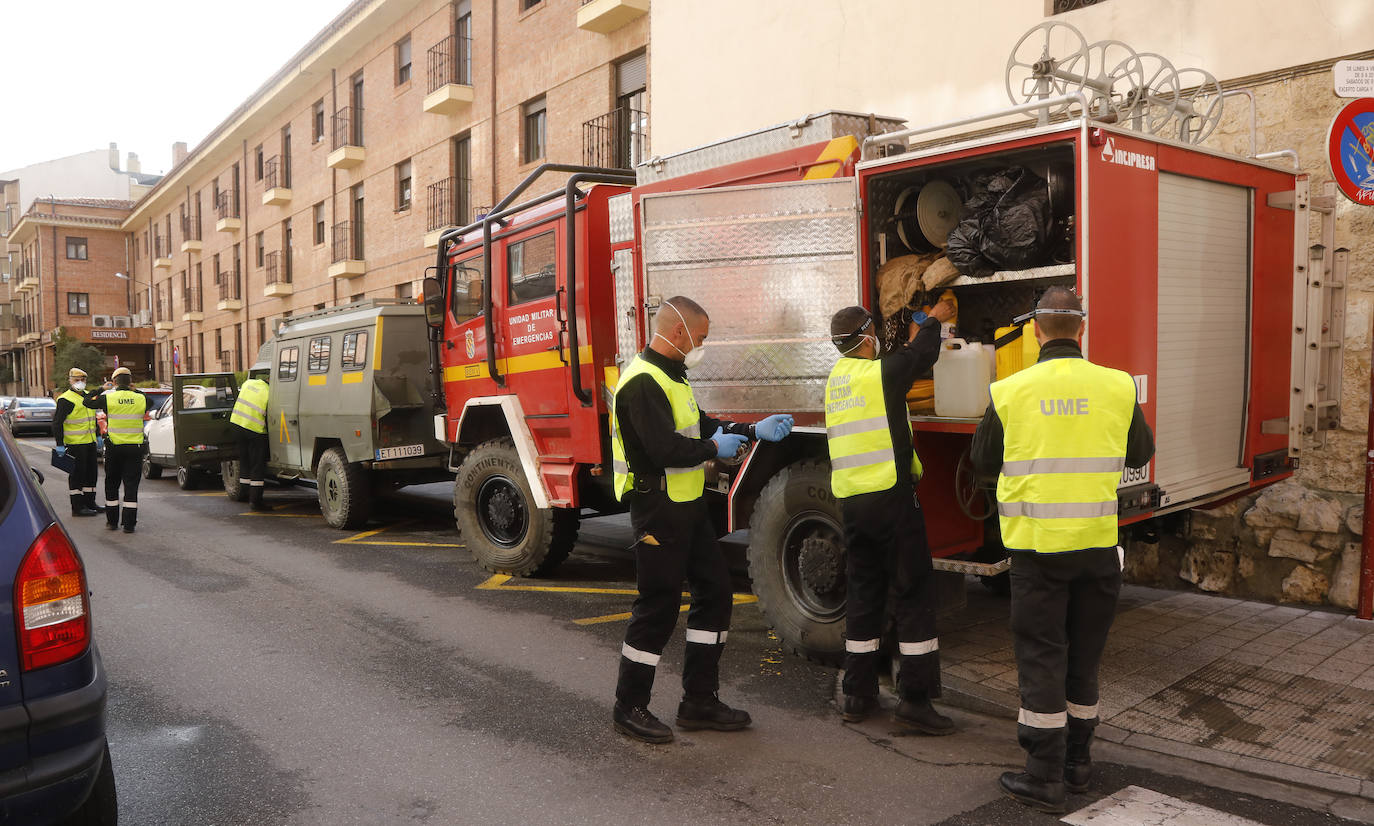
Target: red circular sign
1350 150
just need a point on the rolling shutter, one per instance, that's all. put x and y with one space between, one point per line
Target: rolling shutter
1203 323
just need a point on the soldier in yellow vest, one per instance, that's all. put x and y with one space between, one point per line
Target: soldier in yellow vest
249 423
874 471
73 426
659 453
1057 437
125 410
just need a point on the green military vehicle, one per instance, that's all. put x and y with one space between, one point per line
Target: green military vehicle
350 408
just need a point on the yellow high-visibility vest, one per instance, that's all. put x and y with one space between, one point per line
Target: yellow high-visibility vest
124 416
684 484
250 411
862 456
79 426
1065 422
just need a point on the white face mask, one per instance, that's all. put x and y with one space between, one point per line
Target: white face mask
78 386
692 357
859 344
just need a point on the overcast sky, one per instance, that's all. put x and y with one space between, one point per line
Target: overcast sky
79 74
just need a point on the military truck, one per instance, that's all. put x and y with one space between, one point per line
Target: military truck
350 408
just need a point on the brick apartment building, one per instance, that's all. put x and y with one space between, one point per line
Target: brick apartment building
67 257
401 118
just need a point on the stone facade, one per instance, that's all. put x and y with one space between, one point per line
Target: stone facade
1298 540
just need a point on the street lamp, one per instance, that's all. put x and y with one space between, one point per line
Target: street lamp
134 282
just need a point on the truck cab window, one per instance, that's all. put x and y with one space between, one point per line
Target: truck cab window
467 289
319 355
355 350
531 268
288 362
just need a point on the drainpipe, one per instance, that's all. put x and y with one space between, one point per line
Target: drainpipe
1366 605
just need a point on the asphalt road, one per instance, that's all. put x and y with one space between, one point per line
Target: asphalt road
266 669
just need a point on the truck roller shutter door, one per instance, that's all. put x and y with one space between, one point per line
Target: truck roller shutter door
1204 309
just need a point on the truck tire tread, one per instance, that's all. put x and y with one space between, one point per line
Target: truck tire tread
353 502
549 534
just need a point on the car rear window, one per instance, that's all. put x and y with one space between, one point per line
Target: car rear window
37 403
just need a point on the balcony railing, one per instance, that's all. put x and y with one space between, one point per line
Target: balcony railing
276 274
348 242
191 300
348 127
274 173
190 228
162 247
447 203
227 205
450 61
229 286
618 139
1061 6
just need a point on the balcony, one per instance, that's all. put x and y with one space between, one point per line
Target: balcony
190 233
446 207
230 297
450 76
164 323
7 338
348 252
605 16
162 253
26 277
278 277
276 178
190 299
227 212
618 139
348 149
27 338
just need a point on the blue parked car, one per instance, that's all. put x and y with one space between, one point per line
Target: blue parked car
54 760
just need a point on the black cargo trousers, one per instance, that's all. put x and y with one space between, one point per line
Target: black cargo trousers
123 466
81 481
888 555
1062 606
253 449
674 541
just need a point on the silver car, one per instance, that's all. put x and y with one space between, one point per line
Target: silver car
30 415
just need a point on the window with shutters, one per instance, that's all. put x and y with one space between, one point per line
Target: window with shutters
535 129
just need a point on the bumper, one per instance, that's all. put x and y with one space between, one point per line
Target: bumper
66 736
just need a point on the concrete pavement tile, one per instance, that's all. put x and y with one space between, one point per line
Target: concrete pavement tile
1298 774
1111 733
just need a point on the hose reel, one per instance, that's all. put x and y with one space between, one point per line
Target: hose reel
1142 90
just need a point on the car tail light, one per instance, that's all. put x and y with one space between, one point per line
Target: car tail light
18 414
50 608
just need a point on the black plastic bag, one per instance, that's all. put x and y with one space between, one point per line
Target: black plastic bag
1007 224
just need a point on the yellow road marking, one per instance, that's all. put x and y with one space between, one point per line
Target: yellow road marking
363 539
215 493
284 515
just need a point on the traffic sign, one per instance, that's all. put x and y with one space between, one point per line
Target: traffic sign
1350 150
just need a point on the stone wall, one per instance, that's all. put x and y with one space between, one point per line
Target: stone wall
1298 540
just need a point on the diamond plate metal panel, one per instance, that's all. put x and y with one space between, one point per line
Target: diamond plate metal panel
809 129
622 214
622 267
771 264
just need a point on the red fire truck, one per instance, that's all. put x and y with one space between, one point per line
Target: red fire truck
1194 267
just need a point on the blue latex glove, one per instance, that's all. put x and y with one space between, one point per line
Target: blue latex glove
727 444
61 450
918 318
774 428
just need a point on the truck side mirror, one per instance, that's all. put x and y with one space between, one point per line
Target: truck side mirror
433 292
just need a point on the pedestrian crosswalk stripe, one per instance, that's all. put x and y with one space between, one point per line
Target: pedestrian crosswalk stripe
1135 805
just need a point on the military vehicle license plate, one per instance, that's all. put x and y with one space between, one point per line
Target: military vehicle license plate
402 452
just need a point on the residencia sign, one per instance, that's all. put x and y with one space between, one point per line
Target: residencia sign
115 335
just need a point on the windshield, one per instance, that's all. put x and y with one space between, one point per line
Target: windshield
37 403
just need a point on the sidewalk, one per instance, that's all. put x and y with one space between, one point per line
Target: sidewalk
1272 690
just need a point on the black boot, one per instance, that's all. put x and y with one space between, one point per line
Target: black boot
919 714
112 517
857 708
255 499
1044 795
79 507
640 723
709 712
130 519
1078 761
90 503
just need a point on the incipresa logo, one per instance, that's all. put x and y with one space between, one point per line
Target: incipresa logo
1122 157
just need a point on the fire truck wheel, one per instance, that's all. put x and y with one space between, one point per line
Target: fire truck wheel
151 469
342 487
797 561
495 512
187 479
229 474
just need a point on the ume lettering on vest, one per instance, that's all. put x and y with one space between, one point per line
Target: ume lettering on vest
1064 407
